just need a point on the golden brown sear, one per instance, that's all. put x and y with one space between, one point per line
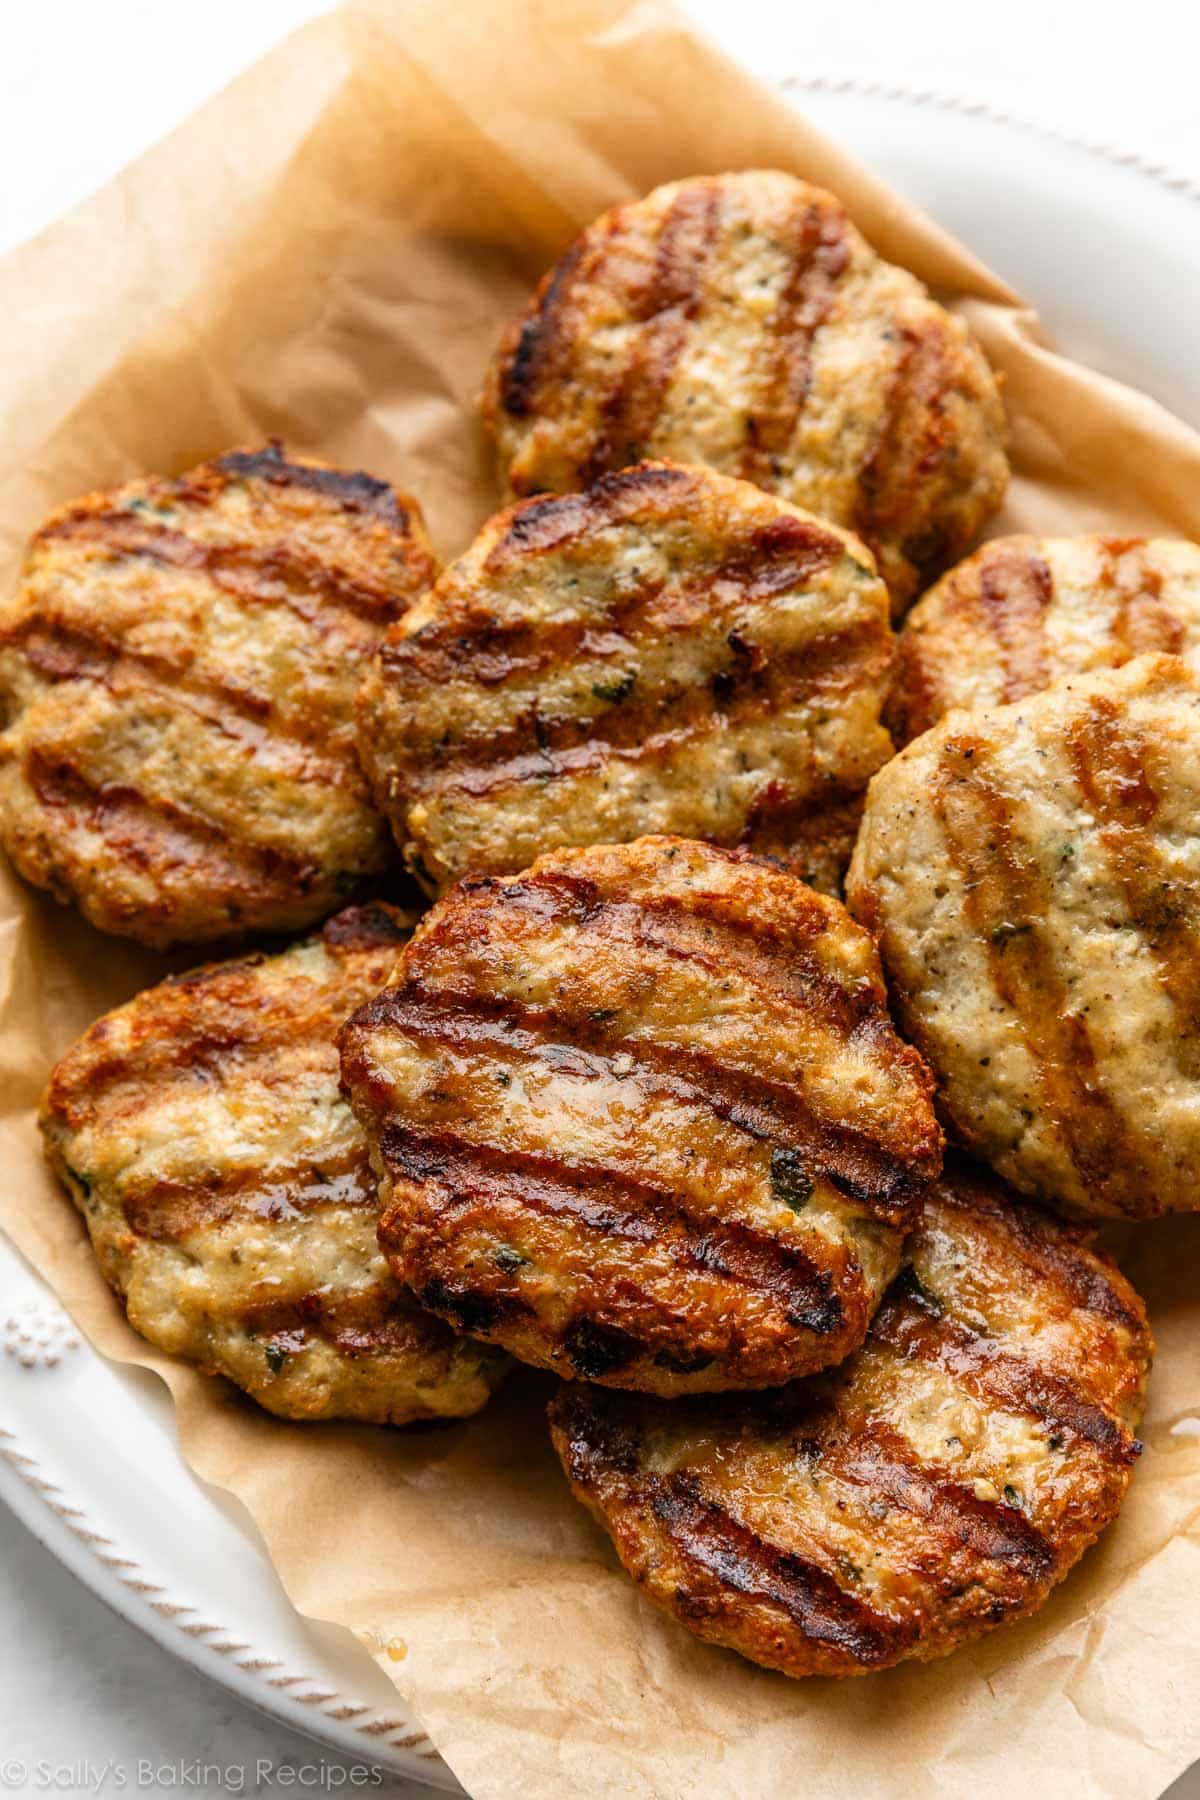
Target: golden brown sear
1032 875
228 1191
1024 611
741 321
178 668
670 652
937 1485
640 1116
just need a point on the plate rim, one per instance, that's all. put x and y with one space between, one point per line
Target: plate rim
41 1508
866 87
38 1333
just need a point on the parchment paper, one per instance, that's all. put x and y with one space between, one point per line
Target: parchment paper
329 251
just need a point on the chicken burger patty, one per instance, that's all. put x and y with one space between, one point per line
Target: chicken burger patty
640 1116
229 1195
1024 611
741 321
936 1485
178 668
670 652
1032 874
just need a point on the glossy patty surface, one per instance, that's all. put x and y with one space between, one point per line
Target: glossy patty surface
741 321
1032 873
1024 611
936 1485
178 668
641 1117
229 1194
669 652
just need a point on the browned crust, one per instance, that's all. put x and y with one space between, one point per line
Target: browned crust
744 1521
351 488
1043 854
983 634
665 305
93 679
664 270
1007 901
1115 769
494 1214
484 703
356 1345
819 255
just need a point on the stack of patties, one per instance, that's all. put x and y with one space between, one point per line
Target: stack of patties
179 666
226 1185
640 1117
628 1103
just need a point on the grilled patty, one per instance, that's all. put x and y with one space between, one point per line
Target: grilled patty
1025 611
640 1116
178 668
669 652
938 1484
228 1192
1032 873
741 321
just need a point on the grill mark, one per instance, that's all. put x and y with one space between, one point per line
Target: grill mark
353 489
209 1054
911 1327
666 925
469 1309
491 651
782 556
275 575
665 308
904 454
183 1043
1141 620
1047 1253
1110 767
357 930
1016 590
599 1439
540 526
636 730
538 350
1006 899
882 1463
553 521
182 1031
875 468
914 700
376 1321
820 256
65 650
610 1205
148 832
168 1210
70 652
768 1112
739 1558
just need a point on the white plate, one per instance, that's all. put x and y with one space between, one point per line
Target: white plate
176 1558
1109 251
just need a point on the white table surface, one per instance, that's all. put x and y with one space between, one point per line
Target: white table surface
84 86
